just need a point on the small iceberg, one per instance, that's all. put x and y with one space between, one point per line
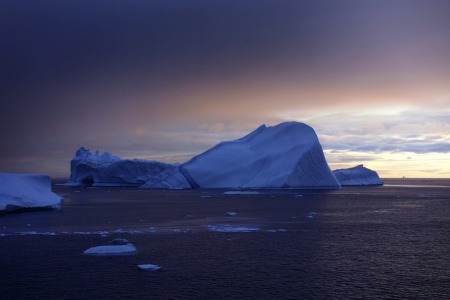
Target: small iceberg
111 250
149 267
230 214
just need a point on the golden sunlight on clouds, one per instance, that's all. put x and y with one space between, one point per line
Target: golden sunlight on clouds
394 165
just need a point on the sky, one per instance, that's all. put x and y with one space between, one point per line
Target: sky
168 79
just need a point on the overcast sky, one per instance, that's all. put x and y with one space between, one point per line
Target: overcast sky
169 79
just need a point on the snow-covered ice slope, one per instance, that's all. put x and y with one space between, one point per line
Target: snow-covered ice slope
358 175
287 155
19 191
107 170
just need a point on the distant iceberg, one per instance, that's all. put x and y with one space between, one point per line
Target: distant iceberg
358 175
26 191
97 169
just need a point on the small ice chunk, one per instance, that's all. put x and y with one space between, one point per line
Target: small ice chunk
231 228
230 214
149 267
111 250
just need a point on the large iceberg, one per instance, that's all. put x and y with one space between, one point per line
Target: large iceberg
287 155
358 175
108 170
26 191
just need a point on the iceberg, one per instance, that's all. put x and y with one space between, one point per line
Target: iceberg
149 267
87 169
27 191
111 250
287 155
358 175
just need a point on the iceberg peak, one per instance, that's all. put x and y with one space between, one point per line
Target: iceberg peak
287 155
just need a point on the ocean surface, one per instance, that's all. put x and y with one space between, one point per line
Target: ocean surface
384 242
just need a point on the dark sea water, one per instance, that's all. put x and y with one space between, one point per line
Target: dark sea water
386 242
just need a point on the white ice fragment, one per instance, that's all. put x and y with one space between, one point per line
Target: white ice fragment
149 267
231 228
230 214
111 250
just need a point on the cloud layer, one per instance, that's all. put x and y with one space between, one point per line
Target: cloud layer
169 79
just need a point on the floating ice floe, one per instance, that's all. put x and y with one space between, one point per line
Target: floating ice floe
241 193
230 214
149 267
111 250
231 228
